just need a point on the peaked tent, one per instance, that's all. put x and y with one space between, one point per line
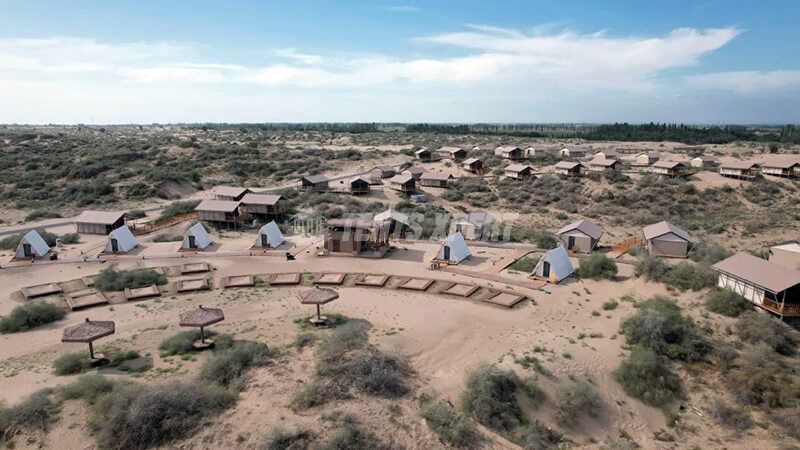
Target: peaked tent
554 265
454 249
197 238
32 246
121 240
269 236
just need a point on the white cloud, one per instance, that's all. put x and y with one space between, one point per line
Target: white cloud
294 55
402 8
747 81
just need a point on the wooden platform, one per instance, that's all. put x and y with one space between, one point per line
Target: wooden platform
416 284
330 278
506 299
89 280
40 290
142 292
461 290
373 280
285 279
199 267
195 284
85 299
238 281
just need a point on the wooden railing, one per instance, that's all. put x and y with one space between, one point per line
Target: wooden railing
144 228
628 244
784 310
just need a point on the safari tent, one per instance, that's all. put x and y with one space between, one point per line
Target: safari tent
554 266
397 222
121 240
197 238
666 239
31 246
269 236
771 286
454 249
581 236
99 222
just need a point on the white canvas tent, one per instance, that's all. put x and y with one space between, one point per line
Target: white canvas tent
554 266
121 240
454 249
269 236
32 246
197 238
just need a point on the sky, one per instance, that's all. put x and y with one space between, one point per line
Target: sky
169 61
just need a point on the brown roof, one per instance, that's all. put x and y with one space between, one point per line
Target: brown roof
585 226
517 168
507 149
603 162
781 161
403 178
101 217
738 165
422 150
436 176
201 317
567 165
415 170
318 296
351 223
217 205
260 199
667 164
470 161
230 191
760 272
451 149
662 228
315 179
88 331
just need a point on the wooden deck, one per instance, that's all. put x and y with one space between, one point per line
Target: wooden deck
790 310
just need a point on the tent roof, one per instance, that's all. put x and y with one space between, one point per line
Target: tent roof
37 242
781 161
88 331
470 161
101 217
452 149
507 148
603 162
391 214
260 199
567 164
274 235
760 272
124 236
559 262
436 176
318 296
585 226
422 150
201 235
201 317
662 228
229 191
458 246
403 178
738 165
217 205
517 168
667 164
314 179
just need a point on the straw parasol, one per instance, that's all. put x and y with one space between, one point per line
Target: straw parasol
202 317
318 296
88 331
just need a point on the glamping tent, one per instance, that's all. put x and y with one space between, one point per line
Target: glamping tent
398 222
269 236
197 238
32 246
121 240
554 266
454 249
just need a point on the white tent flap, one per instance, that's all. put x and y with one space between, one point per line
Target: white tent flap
125 241
35 245
454 249
269 236
199 235
554 265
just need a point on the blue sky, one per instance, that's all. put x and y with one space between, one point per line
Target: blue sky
443 61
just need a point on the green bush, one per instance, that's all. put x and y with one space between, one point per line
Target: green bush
29 316
525 264
538 436
490 397
687 276
709 254
727 303
610 305
228 366
303 340
646 376
351 436
163 237
113 279
70 238
597 267
732 416
36 411
280 439
10 242
761 377
651 268
349 336
182 342
136 214
577 399
177 208
87 387
755 327
42 214
71 363
451 426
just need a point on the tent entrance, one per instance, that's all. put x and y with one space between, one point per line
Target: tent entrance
114 245
264 240
446 252
570 242
26 250
192 242
546 269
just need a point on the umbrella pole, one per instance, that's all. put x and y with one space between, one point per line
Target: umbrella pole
202 336
318 315
91 350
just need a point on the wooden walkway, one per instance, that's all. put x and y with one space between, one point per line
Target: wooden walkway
621 248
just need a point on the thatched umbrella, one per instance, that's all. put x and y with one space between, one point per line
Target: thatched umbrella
318 296
88 331
202 317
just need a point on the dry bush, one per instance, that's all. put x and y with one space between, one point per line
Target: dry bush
451 426
575 400
732 416
755 327
727 303
490 397
647 376
31 315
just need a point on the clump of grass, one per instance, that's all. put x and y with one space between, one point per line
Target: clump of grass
303 340
490 397
577 399
351 335
281 439
87 387
538 436
683 276
451 426
113 279
35 412
30 315
176 209
163 237
351 436
533 391
610 305
645 375
732 416
754 327
761 377
182 342
525 264
533 362
229 365
727 303
334 320
71 363
597 267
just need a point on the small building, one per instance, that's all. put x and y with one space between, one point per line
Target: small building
197 238
359 186
316 183
602 165
385 171
121 240
703 161
269 236
229 193
572 152
453 250
787 166
435 179
415 171
530 152
397 223
99 222
474 165
263 205
786 255
608 153
424 154
645 159
31 246
581 236
667 168
554 266
568 169
666 239
220 211
771 286
474 226
742 170
356 237
404 183
518 172
454 153
509 152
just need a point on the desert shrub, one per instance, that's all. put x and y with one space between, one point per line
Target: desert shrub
182 342
597 267
71 363
177 208
303 340
42 214
378 373
10 242
136 214
533 391
317 392
651 267
351 436
88 387
709 254
659 326
280 439
29 316
36 411
451 426
163 237
537 436
490 397
787 418
133 416
70 238
575 400
760 377
545 241
349 336
113 279
610 305
732 416
727 303
645 375
228 366
755 327
687 276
